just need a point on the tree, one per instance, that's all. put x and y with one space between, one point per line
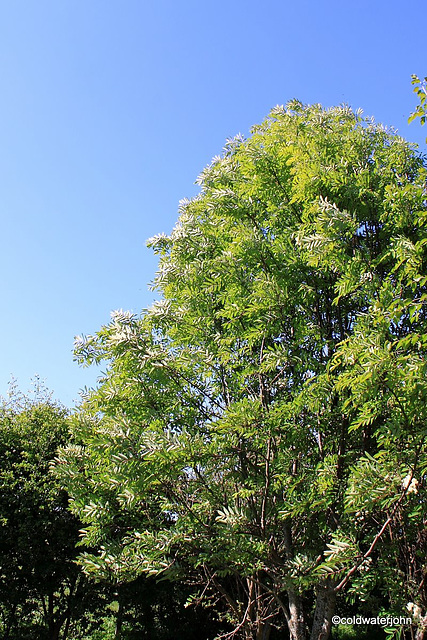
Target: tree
420 90
259 432
42 591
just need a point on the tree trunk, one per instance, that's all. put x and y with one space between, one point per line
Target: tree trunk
296 623
325 605
119 621
67 626
263 631
422 630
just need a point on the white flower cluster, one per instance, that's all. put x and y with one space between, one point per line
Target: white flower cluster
414 609
410 484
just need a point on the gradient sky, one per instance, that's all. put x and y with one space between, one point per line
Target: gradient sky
109 111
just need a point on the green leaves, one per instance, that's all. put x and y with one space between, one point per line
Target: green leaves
421 93
255 425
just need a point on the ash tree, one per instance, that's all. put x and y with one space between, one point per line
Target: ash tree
420 90
259 432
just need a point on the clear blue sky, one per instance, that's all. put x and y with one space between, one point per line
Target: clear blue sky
109 111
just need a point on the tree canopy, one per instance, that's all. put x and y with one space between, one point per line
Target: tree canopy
40 586
420 90
260 431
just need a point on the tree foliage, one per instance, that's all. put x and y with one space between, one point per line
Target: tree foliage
260 430
39 583
43 593
420 90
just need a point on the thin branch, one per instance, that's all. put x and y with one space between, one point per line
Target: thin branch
378 536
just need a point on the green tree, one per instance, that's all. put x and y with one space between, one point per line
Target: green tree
42 591
420 90
260 431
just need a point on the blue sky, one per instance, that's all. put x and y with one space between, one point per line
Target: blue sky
110 110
